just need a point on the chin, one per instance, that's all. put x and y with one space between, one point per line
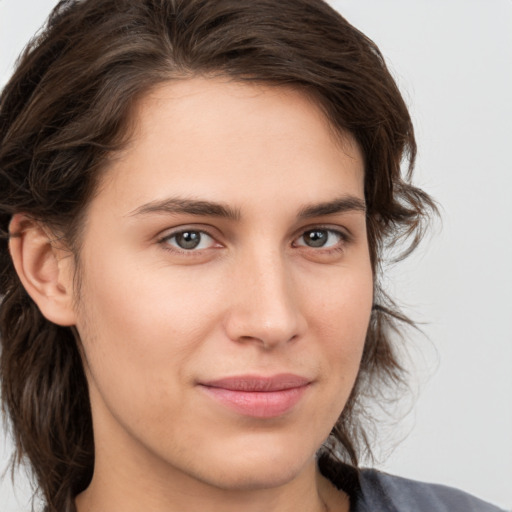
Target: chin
253 478
255 469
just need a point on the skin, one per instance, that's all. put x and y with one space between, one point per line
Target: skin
255 297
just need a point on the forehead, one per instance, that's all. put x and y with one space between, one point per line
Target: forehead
220 98
221 140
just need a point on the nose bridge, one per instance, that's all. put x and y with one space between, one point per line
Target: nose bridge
265 306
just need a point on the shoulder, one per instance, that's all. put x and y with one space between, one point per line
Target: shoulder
386 493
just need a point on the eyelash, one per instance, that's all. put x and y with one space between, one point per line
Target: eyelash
344 239
340 246
164 241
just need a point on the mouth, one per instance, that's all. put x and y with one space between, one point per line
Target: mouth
258 397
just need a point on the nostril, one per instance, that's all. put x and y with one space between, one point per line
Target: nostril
266 334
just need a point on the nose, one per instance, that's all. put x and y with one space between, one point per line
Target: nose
264 306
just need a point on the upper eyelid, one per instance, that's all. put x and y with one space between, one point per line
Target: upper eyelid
343 231
201 228
172 234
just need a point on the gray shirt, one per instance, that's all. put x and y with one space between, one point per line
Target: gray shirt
380 492
374 491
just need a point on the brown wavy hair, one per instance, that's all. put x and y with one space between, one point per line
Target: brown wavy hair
67 108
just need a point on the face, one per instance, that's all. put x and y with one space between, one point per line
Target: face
226 286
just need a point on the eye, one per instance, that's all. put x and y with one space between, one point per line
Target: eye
320 238
189 240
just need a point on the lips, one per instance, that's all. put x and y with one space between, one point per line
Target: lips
259 397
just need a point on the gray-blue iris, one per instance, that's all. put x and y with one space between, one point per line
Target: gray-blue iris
188 239
316 238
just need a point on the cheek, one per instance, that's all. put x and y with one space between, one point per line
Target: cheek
343 312
137 306
343 305
140 330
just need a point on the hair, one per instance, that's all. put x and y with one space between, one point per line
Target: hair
67 107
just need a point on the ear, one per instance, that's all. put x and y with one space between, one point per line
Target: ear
44 267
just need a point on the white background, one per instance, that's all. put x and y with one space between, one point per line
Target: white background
453 61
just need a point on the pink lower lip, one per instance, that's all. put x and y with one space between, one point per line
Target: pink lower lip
259 404
259 397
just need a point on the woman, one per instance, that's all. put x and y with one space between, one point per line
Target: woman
195 200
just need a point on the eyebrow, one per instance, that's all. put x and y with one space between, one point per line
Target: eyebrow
340 205
178 205
188 206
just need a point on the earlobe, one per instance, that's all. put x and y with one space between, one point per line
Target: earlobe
44 268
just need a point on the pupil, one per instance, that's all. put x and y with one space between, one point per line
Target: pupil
316 238
188 239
